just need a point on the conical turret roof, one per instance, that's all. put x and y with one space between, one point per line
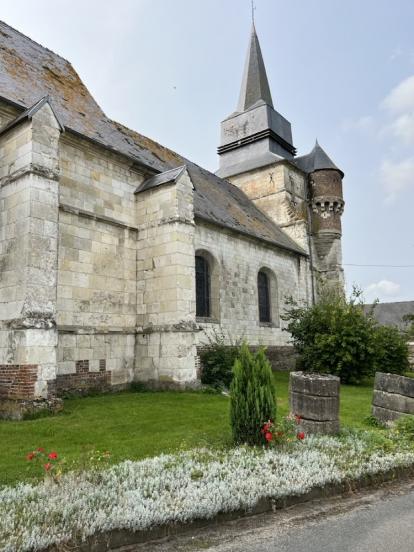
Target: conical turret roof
316 160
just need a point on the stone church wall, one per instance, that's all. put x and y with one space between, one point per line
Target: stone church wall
97 276
237 262
166 349
279 190
28 260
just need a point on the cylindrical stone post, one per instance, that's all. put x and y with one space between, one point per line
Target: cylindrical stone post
393 397
315 398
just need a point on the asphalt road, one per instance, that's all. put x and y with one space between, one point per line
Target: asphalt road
378 521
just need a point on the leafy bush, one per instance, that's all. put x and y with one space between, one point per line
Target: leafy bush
333 336
391 350
217 361
252 396
338 336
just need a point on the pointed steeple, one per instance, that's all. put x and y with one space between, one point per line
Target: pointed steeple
255 135
255 86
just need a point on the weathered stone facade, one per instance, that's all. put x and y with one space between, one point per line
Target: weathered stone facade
99 231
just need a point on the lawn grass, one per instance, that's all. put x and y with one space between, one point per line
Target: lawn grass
137 425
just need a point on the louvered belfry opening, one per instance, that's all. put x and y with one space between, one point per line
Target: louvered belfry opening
202 287
264 296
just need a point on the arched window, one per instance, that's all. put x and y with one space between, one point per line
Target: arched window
202 271
263 290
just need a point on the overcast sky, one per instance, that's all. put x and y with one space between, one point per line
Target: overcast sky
341 71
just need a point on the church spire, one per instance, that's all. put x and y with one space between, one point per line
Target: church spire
255 86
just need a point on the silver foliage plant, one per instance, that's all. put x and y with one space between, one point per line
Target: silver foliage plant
179 488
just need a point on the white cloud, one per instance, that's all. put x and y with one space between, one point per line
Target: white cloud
396 177
400 105
403 128
401 98
382 290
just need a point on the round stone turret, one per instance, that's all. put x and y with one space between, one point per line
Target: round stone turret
327 205
326 201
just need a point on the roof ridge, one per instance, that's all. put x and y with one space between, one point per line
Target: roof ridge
33 41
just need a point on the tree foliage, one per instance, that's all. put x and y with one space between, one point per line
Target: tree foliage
391 350
339 336
252 401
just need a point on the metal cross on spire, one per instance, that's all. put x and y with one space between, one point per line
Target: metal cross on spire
253 10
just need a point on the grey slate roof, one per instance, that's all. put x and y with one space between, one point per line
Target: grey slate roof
222 203
391 314
255 86
267 158
316 160
166 177
28 71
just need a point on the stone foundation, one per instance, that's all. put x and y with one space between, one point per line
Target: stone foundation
282 358
27 408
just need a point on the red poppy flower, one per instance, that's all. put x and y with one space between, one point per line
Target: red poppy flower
52 455
266 427
268 436
30 456
47 466
40 449
301 435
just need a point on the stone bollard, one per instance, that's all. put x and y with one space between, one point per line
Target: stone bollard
315 398
393 397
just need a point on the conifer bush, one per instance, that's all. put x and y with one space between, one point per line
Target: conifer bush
252 396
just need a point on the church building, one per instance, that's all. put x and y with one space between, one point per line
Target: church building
118 256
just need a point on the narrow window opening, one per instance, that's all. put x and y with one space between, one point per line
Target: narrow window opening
202 287
264 297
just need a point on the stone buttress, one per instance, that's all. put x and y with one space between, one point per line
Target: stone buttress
28 224
165 345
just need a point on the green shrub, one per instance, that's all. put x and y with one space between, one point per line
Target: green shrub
333 336
340 337
252 396
217 361
391 350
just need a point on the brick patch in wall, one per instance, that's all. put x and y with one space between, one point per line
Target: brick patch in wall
17 381
84 381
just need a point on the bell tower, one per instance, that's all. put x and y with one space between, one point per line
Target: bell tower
255 133
302 195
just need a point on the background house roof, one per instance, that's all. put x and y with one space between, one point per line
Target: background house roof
391 314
